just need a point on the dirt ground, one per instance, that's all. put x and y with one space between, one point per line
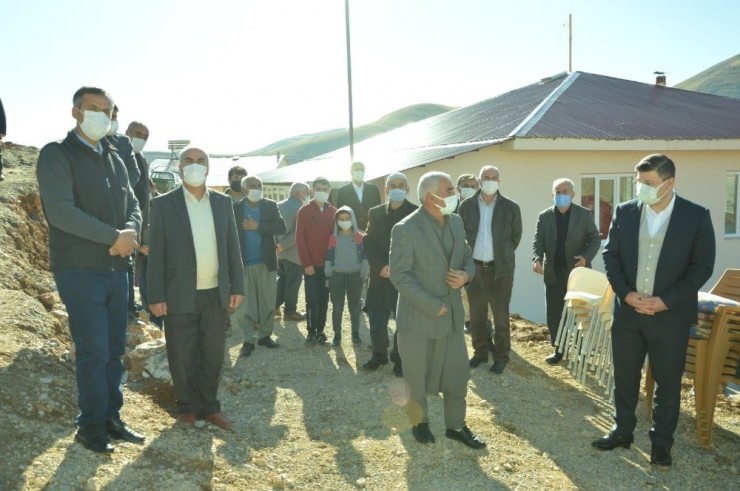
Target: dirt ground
309 418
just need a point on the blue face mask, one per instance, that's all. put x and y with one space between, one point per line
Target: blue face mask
397 195
562 200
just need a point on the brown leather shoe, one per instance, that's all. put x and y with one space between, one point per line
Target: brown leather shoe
185 420
219 420
295 316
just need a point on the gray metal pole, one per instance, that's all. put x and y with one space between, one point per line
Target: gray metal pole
349 84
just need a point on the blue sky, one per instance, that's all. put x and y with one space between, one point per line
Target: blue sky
234 75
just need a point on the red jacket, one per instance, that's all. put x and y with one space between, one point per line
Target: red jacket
314 226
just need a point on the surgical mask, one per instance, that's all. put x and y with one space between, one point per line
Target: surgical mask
236 185
562 200
397 195
95 124
648 194
466 193
321 196
254 195
450 205
138 144
344 224
489 188
358 175
195 174
113 128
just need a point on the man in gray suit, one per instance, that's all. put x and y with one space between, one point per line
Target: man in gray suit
429 263
195 274
566 238
290 270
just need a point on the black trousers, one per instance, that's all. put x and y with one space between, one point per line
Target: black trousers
317 301
484 290
555 300
195 351
288 284
379 333
665 344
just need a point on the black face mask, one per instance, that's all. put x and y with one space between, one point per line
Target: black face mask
236 186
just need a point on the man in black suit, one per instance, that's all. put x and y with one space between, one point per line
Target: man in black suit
195 274
566 237
359 195
381 294
659 252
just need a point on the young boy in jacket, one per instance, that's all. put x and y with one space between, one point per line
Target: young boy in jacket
346 266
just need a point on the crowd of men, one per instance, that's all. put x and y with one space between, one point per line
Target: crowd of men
438 268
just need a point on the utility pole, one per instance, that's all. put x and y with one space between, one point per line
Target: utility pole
570 43
349 84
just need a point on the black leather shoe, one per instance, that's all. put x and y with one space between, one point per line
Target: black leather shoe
94 437
267 342
478 360
398 369
321 339
311 340
498 367
466 327
554 358
466 437
422 433
660 456
613 440
375 362
247 349
120 431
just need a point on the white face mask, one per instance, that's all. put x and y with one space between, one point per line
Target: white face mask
113 128
649 194
344 224
321 196
397 195
138 144
254 195
95 124
489 187
358 175
466 193
450 205
195 174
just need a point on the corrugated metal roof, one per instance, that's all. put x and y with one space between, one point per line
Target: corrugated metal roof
599 107
578 105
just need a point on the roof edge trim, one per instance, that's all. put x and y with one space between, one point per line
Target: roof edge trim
538 112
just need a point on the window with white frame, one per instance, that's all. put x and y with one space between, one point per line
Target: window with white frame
602 193
732 212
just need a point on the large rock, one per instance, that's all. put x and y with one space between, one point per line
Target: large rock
149 360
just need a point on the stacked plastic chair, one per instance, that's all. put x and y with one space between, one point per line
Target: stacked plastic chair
586 314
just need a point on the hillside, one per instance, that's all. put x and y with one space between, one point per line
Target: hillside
720 79
307 417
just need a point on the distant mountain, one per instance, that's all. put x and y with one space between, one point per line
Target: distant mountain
304 147
720 79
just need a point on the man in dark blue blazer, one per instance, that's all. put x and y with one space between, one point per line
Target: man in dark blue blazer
195 274
659 252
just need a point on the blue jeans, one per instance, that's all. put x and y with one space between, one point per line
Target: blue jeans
96 302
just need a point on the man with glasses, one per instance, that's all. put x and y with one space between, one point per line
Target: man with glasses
566 237
94 222
655 289
493 227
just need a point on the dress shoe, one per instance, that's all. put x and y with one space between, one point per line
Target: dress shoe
475 361
422 433
660 456
310 340
219 420
295 316
466 437
247 349
94 437
119 430
185 420
613 440
375 362
2 177
466 327
398 369
554 358
267 342
321 339
498 367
